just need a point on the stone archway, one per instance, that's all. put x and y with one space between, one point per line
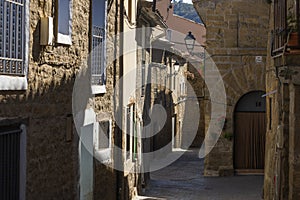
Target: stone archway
249 133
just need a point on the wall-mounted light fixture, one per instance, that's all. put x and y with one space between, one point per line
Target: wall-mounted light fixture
190 42
176 66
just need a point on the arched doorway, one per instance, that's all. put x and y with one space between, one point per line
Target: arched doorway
249 133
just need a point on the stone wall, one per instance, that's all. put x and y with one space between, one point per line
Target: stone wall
282 162
236 33
196 88
52 160
272 83
105 177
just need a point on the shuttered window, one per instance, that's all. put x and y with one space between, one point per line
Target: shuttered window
12 37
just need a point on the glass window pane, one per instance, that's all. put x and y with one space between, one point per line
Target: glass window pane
63 16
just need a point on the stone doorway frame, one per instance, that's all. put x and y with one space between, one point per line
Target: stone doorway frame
259 93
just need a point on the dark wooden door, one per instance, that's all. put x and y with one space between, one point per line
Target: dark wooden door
249 140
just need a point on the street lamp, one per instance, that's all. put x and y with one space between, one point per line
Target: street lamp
190 42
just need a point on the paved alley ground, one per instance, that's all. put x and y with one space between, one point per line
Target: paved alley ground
183 180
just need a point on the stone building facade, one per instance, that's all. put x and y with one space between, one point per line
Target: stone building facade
236 41
44 105
65 111
43 51
282 81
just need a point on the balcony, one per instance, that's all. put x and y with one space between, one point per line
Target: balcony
285 38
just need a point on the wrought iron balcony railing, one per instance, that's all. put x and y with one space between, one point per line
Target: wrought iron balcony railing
286 26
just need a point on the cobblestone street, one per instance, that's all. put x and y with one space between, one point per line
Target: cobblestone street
183 180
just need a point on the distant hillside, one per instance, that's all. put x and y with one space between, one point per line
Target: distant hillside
186 10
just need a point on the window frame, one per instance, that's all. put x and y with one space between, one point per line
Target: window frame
15 81
143 58
182 88
63 38
99 88
22 158
280 25
128 136
131 10
130 155
102 154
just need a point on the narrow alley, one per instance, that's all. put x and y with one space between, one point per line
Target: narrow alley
99 99
183 180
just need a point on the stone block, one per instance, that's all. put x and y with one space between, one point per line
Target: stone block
226 171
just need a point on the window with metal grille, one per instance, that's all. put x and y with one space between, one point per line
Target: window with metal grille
12 37
280 30
98 53
98 56
286 20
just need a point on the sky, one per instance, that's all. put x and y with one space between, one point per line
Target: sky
186 1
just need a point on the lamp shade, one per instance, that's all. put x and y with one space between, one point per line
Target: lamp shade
190 42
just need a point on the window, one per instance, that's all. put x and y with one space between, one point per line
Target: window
155 72
279 24
64 22
174 77
103 140
12 162
14 37
104 135
98 53
143 88
182 89
270 113
131 133
131 7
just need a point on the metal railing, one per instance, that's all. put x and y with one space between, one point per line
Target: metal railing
282 29
98 56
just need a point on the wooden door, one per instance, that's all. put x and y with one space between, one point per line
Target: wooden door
249 140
